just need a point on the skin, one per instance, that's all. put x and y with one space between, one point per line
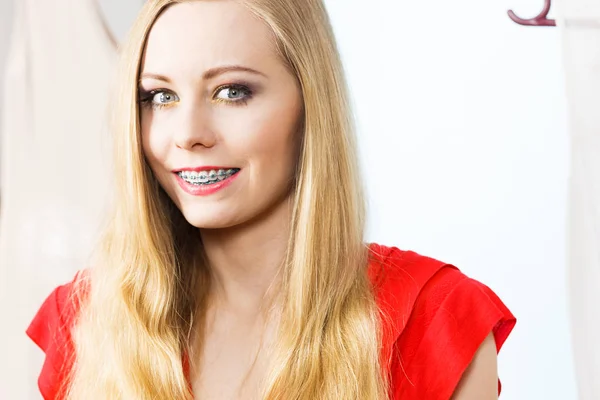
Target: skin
189 119
245 226
480 380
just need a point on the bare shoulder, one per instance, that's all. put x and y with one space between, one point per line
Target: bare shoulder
480 380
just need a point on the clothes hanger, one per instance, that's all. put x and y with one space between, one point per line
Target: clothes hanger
540 20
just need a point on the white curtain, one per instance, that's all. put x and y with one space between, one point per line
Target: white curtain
579 22
54 167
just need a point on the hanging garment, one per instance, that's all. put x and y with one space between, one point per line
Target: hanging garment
55 166
579 21
6 10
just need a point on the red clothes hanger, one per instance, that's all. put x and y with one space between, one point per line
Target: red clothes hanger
540 20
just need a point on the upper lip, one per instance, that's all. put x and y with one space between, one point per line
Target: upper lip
202 168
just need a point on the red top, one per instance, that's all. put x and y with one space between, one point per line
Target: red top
437 319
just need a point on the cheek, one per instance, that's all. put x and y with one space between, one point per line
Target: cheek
269 139
154 145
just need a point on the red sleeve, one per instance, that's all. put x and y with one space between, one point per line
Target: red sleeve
50 330
451 317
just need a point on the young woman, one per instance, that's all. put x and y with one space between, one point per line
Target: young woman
233 265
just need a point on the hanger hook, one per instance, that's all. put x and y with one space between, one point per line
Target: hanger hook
540 20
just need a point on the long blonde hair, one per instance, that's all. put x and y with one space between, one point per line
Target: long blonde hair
149 275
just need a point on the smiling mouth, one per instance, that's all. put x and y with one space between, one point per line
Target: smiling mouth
207 177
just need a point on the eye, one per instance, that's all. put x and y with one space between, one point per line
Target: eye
158 98
162 97
233 93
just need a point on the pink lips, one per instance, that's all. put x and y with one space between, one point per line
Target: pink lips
203 190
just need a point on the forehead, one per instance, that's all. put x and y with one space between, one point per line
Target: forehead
208 32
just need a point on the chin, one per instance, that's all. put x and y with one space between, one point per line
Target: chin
210 220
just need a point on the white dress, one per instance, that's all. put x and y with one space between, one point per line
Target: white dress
55 167
579 21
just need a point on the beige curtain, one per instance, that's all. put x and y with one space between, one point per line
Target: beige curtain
54 167
579 22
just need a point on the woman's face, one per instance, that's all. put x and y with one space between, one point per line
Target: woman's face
220 113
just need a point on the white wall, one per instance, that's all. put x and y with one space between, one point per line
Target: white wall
462 123
464 144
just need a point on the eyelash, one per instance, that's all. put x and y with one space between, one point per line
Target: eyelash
146 96
235 86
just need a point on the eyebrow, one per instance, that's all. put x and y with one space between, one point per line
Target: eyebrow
208 74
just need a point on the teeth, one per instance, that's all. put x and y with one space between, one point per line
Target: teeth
204 177
195 175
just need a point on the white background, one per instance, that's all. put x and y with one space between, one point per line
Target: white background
463 138
462 123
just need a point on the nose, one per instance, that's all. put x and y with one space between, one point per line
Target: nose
194 127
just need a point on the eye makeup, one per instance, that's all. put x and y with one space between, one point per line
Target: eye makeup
236 94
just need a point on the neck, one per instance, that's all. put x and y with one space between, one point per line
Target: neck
245 262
